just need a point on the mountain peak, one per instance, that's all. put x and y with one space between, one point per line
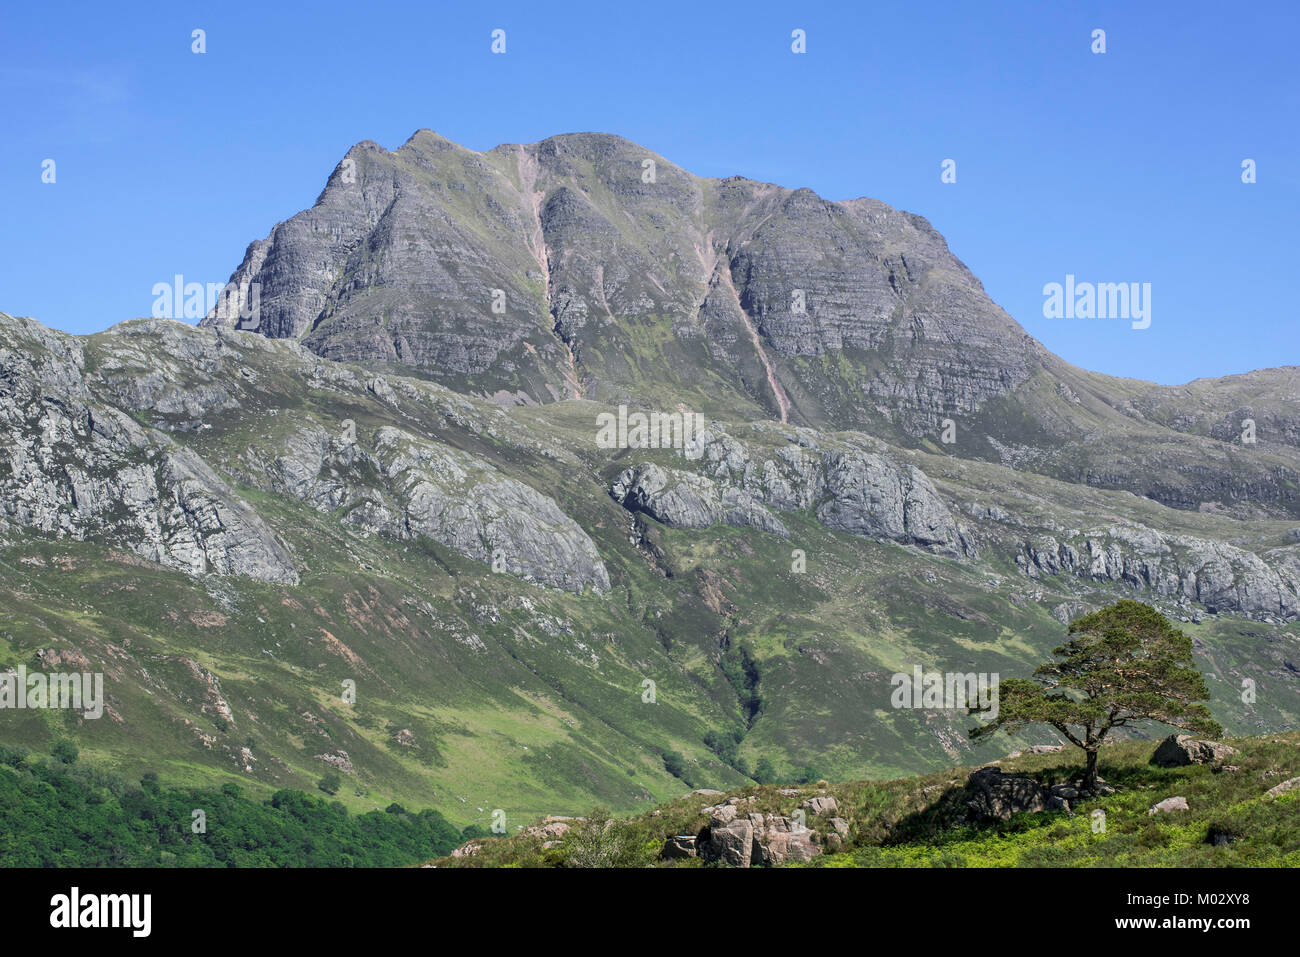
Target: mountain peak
584 266
427 141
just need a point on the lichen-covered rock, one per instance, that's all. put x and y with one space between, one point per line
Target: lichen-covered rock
1180 750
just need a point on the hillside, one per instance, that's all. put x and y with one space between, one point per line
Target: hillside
1231 820
382 532
231 527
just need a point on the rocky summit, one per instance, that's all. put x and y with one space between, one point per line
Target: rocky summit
587 266
376 530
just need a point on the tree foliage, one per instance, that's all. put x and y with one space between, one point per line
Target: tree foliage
1121 665
57 814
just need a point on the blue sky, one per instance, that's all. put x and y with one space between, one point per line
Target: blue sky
1115 167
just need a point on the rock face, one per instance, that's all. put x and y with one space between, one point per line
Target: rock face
76 468
1217 575
467 504
871 497
574 242
79 466
731 841
686 500
777 839
538 272
851 490
744 840
1180 750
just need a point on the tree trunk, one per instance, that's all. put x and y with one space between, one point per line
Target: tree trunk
1090 773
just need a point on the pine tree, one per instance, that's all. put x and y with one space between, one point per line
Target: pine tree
1123 664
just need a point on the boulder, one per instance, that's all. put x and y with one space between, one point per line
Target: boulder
1180 750
732 843
837 835
1169 805
761 839
550 829
679 847
820 805
1282 788
993 795
777 839
721 815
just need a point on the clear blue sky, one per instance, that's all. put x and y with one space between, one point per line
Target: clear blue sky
1124 166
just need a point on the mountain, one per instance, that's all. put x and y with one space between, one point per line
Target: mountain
382 535
740 299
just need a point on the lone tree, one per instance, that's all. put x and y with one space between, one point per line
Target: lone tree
1122 664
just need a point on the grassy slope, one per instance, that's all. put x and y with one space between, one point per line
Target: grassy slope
530 700
913 822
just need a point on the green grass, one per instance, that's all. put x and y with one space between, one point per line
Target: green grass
529 699
920 821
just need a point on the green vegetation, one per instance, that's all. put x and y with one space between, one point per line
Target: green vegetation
478 691
56 813
1122 665
921 821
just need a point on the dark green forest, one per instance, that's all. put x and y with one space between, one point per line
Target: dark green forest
56 812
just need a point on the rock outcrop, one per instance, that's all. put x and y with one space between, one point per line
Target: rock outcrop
679 847
850 490
1277 790
741 839
992 794
1180 750
1220 576
402 485
686 500
73 467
